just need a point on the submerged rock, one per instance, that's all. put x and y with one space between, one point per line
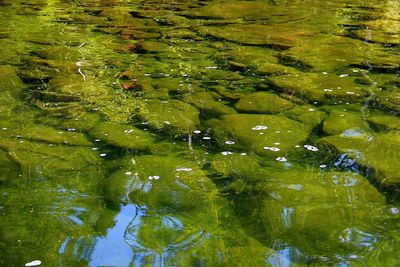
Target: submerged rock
122 135
205 101
384 122
317 213
262 102
175 115
341 121
169 182
324 89
10 82
379 152
307 114
258 133
333 53
256 34
54 161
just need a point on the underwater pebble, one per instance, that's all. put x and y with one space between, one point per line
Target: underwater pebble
281 159
311 148
33 263
259 127
272 148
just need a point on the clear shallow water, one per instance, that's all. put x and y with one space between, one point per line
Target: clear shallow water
230 133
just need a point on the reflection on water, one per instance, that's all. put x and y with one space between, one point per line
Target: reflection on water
217 133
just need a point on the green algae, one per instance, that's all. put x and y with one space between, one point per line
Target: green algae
256 132
208 133
123 136
262 102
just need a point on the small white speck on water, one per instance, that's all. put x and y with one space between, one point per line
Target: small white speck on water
323 166
311 148
243 154
128 173
154 177
226 153
206 138
259 127
281 159
394 210
33 263
103 154
197 131
275 149
229 142
343 75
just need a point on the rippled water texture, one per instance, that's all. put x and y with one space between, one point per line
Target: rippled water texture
199 133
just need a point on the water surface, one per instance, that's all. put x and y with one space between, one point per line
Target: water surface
199 133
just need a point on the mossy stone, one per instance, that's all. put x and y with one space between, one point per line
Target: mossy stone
231 10
253 132
205 101
10 81
50 160
175 115
384 122
376 36
298 205
324 89
122 135
389 100
307 114
380 152
80 122
334 53
54 136
8 169
256 34
262 102
169 182
340 121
